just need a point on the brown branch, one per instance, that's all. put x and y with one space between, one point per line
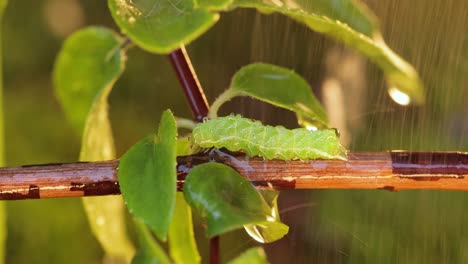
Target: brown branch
371 170
189 83
199 106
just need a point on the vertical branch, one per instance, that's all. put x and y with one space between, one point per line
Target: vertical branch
190 84
214 250
199 105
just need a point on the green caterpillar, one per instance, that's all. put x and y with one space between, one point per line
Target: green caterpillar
236 133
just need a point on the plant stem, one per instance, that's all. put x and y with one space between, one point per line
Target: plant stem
222 98
190 84
391 171
199 105
214 250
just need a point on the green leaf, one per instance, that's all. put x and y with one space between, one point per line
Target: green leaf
276 85
161 26
87 52
89 63
106 216
3 213
150 252
147 177
254 255
354 13
227 200
3 4
182 245
352 24
217 5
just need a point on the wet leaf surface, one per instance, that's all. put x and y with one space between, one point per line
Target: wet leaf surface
161 26
147 177
228 201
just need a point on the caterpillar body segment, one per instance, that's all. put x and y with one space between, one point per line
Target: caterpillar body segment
237 133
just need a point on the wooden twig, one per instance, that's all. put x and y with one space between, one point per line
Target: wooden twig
189 83
364 170
198 104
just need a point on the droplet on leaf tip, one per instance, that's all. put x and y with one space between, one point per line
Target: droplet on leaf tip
398 96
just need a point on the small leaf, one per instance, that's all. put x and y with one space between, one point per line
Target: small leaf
161 26
89 63
254 255
150 251
349 22
278 86
182 245
147 177
226 200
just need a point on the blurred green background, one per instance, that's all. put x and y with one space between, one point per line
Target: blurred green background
326 226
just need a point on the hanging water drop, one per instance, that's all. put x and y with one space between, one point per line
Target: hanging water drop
398 96
254 233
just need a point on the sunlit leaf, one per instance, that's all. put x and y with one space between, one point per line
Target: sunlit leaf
214 4
351 24
354 13
149 251
86 53
147 177
254 255
3 4
182 245
227 200
275 85
89 63
161 26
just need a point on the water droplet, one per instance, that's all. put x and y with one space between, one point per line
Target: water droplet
254 233
398 96
311 128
